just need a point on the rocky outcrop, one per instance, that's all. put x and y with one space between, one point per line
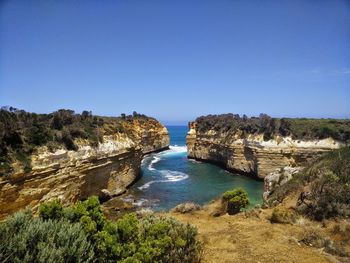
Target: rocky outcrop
106 170
277 179
251 154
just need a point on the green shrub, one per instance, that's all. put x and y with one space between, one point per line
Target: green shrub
24 238
282 215
298 128
51 210
235 200
161 240
129 239
328 181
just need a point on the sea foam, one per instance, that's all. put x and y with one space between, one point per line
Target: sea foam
170 176
154 161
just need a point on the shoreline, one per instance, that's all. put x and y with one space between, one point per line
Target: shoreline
224 167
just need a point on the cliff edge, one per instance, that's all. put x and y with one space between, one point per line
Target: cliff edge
82 155
261 145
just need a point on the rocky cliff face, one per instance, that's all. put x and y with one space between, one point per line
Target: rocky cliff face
106 170
251 154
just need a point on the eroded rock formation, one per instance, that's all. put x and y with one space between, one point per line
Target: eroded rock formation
251 154
106 170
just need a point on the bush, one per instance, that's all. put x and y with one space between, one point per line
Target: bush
129 239
328 181
235 200
186 208
282 215
167 240
313 236
22 132
24 238
51 210
305 129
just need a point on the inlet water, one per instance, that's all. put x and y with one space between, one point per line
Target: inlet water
169 178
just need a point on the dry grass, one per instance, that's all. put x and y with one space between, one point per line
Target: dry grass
250 237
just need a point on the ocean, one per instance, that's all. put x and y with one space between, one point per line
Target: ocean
170 178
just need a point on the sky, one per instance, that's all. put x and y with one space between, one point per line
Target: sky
177 60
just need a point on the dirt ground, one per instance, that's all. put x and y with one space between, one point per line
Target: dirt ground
251 237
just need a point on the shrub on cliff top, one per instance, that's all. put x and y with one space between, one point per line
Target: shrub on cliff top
235 200
21 132
306 129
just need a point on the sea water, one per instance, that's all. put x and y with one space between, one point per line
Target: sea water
169 178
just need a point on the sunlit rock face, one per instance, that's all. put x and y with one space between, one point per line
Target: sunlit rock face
106 170
251 154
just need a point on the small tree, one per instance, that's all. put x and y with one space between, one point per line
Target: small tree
235 200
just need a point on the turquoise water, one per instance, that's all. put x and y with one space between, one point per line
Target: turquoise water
169 178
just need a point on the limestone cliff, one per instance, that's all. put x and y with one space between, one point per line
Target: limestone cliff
252 153
104 170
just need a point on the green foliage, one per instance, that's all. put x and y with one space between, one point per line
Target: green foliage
306 129
128 228
235 200
24 158
22 132
328 179
129 239
88 213
51 210
24 238
293 185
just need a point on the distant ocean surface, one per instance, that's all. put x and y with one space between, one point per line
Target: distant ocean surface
169 178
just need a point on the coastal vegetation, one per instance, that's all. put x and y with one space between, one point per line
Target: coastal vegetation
235 200
81 233
297 128
282 215
22 132
308 220
323 187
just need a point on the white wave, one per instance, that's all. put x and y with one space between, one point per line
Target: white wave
155 160
176 148
146 185
194 161
157 157
171 176
136 202
140 202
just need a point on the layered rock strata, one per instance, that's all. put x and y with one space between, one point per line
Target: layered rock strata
251 154
106 170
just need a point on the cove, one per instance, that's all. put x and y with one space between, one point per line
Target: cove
170 178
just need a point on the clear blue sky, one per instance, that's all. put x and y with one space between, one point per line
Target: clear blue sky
176 60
